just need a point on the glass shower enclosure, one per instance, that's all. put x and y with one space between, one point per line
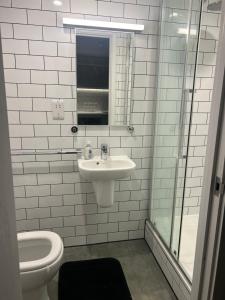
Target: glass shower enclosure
178 49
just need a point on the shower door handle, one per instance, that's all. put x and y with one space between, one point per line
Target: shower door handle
219 185
186 93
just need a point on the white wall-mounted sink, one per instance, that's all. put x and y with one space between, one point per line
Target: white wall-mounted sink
103 174
115 167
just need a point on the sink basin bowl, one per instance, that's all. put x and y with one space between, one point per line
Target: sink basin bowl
103 174
115 167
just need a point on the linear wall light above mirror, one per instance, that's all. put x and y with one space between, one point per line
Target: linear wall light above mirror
103 25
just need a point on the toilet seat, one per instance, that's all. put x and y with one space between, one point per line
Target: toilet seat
55 249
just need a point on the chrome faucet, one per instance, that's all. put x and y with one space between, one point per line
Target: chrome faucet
104 151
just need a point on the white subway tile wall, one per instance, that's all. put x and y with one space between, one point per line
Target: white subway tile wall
39 57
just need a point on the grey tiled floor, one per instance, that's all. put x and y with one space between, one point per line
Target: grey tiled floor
144 277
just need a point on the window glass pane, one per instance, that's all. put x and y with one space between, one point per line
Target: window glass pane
92 62
92 79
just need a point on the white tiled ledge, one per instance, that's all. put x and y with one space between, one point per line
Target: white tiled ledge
178 282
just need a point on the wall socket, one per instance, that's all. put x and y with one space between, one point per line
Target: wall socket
58 109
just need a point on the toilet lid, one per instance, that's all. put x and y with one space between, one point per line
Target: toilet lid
56 248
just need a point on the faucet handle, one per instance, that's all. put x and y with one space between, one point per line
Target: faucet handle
104 148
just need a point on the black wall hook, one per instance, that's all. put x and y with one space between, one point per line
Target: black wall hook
74 129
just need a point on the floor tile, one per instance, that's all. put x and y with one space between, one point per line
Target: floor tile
144 277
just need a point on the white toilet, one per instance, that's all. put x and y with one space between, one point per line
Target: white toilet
40 255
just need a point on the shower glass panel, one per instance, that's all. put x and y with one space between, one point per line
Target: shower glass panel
185 124
177 60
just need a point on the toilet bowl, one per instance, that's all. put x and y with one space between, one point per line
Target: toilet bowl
40 255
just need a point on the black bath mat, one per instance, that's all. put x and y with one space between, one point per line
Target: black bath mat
95 279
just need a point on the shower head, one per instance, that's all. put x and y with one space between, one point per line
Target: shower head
215 6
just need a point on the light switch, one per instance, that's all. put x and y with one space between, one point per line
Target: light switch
58 109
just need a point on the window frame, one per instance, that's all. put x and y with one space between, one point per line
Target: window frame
112 53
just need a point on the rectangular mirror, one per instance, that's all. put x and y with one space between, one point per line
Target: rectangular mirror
103 74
